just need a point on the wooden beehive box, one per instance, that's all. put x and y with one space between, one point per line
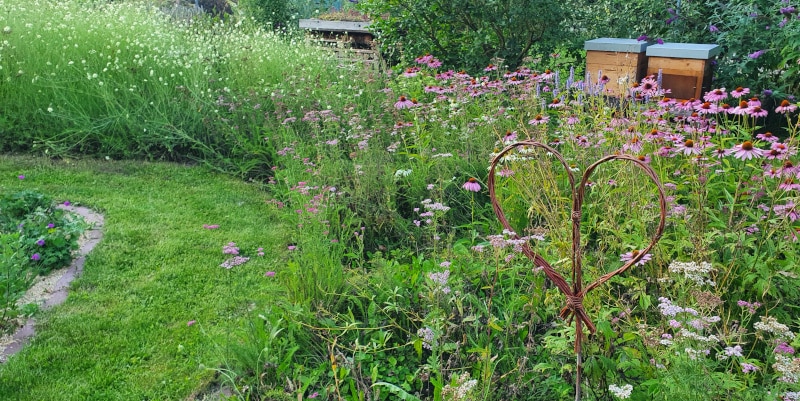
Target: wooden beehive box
623 61
685 67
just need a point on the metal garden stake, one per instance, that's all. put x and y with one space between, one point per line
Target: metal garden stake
576 292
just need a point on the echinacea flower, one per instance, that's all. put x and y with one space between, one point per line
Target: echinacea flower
786 107
746 151
756 111
716 95
739 92
767 136
404 103
472 185
539 119
628 256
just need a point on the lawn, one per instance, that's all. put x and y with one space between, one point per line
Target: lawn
123 334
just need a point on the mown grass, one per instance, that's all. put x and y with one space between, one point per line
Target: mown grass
123 332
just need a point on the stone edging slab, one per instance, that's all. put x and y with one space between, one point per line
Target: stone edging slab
52 290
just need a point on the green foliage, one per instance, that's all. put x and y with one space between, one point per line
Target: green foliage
36 238
467 34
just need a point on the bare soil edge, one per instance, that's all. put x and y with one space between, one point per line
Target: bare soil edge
52 290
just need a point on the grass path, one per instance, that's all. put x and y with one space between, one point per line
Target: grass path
123 332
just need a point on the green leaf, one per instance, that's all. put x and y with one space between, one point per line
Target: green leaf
396 391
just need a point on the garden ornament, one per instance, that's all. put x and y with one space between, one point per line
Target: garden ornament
576 292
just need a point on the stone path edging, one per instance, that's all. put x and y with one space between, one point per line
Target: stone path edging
55 291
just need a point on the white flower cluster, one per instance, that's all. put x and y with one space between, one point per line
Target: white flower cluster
621 392
710 339
772 325
788 367
461 389
430 205
693 271
669 309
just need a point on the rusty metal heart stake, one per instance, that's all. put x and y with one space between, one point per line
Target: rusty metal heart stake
576 292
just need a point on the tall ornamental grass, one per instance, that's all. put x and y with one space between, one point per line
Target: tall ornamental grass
122 79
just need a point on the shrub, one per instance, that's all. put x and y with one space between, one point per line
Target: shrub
465 33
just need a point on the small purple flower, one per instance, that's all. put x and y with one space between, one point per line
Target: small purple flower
756 54
269 274
748 367
211 226
40 242
642 38
67 203
713 28
660 41
191 323
21 177
36 257
51 225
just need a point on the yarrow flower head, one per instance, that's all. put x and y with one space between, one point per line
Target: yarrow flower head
472 185
621 392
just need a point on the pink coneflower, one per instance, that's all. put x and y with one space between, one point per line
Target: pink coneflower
789 168
771 172
572 120
649 86
665 102
404 103
505 172
786 107
715 95
789 184
746 151
634 145
472 185
767 136
741 109
490 67
754 101
707 108
643 158
539 119
604 79
510 136
627 257
689 148
411 72
756 111
720 152
555 104
773 154
739 92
